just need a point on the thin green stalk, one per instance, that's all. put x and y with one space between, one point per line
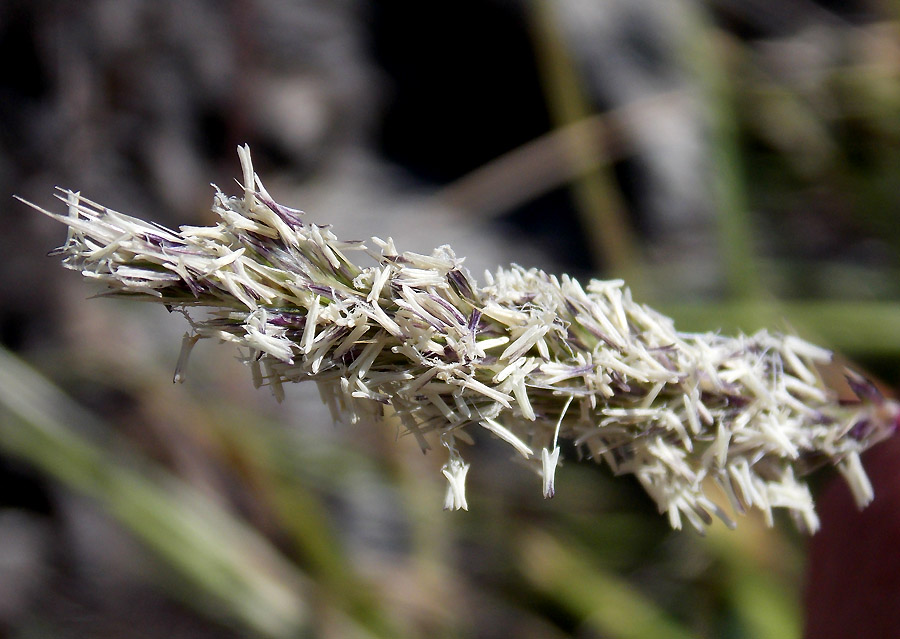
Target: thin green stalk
708 54
599 202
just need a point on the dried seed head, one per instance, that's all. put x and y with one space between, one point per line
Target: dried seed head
529 357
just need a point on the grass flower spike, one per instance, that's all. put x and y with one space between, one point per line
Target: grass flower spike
531 358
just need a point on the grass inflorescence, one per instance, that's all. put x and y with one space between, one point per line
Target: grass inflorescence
530 357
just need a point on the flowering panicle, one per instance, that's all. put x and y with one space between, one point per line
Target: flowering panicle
529 357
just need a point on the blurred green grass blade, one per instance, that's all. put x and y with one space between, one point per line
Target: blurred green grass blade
600 204
853 328
609 604
763 596
710 53
766 610
214 552
275 460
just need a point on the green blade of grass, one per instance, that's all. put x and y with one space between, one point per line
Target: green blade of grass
217 555
599 202
853 328
710 55
760 589
606 602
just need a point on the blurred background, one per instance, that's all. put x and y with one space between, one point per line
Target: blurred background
736 161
